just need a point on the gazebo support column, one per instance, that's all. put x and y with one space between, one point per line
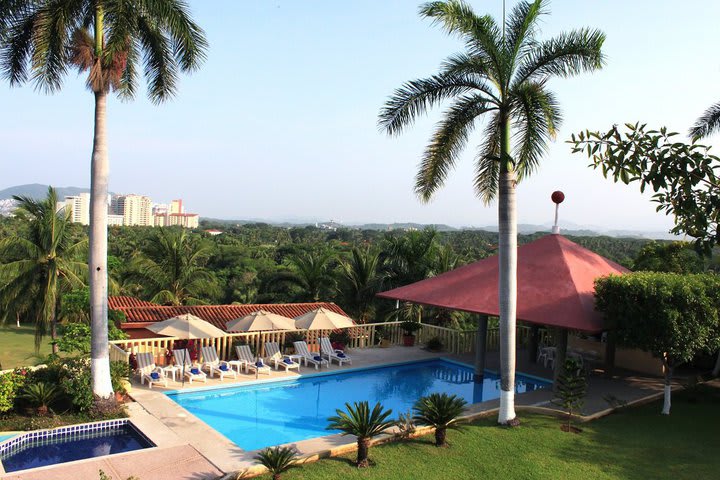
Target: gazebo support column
561 343
480 345
610 352
534 343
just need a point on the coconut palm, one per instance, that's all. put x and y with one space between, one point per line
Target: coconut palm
707 124
441 411
360 279
359 420
172 268
501 77
41 40
40 267
311 272
277 460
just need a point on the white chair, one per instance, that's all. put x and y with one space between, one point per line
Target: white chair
192 370
250 362
301 348
212 362
147 370
278 359
271 348
327 350
547 355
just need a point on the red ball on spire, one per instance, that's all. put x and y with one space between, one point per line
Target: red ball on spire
557 196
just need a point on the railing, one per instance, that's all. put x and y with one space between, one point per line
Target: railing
360 336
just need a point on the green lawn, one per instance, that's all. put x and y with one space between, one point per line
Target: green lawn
638 443
17 347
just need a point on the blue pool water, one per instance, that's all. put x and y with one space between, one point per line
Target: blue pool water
74 446
261 415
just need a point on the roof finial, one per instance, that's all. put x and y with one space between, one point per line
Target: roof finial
557 197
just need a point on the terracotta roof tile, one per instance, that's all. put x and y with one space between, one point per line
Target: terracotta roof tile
219 315
119 303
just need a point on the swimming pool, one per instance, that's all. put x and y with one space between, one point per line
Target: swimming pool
262 415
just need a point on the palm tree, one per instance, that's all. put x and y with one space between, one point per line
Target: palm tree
277 460
502 77
441 411
358 420
360 280
707 124
311 272
41 267
42 39
172 269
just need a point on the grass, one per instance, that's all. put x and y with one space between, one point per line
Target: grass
15 422
17 347
636 443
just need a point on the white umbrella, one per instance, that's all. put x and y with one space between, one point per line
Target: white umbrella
259 321
322 319
187 327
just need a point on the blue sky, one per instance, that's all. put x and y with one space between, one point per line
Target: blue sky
280 123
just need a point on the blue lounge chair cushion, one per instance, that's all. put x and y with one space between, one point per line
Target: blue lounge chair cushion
223 367
259 364
317 358
195 371
341 354
155 375
288 361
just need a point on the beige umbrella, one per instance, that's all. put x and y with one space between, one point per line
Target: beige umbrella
322 319
260 320
187 327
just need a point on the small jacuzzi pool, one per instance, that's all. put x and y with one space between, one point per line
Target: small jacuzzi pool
76 442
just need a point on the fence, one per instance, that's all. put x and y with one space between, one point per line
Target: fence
360 336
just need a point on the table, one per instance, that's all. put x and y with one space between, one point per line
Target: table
297 358
238 364
171 369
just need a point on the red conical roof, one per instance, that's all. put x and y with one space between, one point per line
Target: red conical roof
555 285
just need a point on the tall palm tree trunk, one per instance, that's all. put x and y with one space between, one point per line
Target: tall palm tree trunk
100 360
507 243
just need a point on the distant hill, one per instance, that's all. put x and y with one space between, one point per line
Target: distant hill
38 191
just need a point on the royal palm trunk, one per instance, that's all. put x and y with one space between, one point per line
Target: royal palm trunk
99 353
507 288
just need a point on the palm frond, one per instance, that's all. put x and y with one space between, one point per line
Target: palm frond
159 65
566 55
536 115
447 143
521 27
487 162
17 48
707 124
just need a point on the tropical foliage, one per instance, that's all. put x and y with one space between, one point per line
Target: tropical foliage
501 77
570 388
674 317
360 421
277 460
441 411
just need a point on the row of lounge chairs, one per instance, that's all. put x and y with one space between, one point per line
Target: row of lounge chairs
211 363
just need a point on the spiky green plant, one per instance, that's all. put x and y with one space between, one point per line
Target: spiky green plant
359 420
570 389
441 411
502 77
277 460
40 396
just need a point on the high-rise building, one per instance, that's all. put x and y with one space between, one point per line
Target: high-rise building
176 206
135 209
187 220
78 206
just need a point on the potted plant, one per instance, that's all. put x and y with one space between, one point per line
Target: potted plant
409 328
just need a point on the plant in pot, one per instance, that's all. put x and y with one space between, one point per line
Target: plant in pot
409 328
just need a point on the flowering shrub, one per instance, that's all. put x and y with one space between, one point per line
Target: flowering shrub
76 381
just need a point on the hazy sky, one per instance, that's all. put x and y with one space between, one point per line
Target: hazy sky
281 122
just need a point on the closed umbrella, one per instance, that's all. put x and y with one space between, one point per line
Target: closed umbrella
259 321
187 327
322 319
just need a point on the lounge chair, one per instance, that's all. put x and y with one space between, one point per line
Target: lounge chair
271 348
301 348
192 370
331 353
213 364
250 362
279 359
147 370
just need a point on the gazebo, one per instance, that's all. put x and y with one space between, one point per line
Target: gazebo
555 287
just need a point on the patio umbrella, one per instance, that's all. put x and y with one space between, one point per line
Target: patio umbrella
187 327
260 320
322 319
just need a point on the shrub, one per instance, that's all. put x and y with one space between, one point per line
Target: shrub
277 460
570 389
441 411
410 327
40 396
75 337
406 425
434 344
119 373
339 339
75 382
363 423
10 384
